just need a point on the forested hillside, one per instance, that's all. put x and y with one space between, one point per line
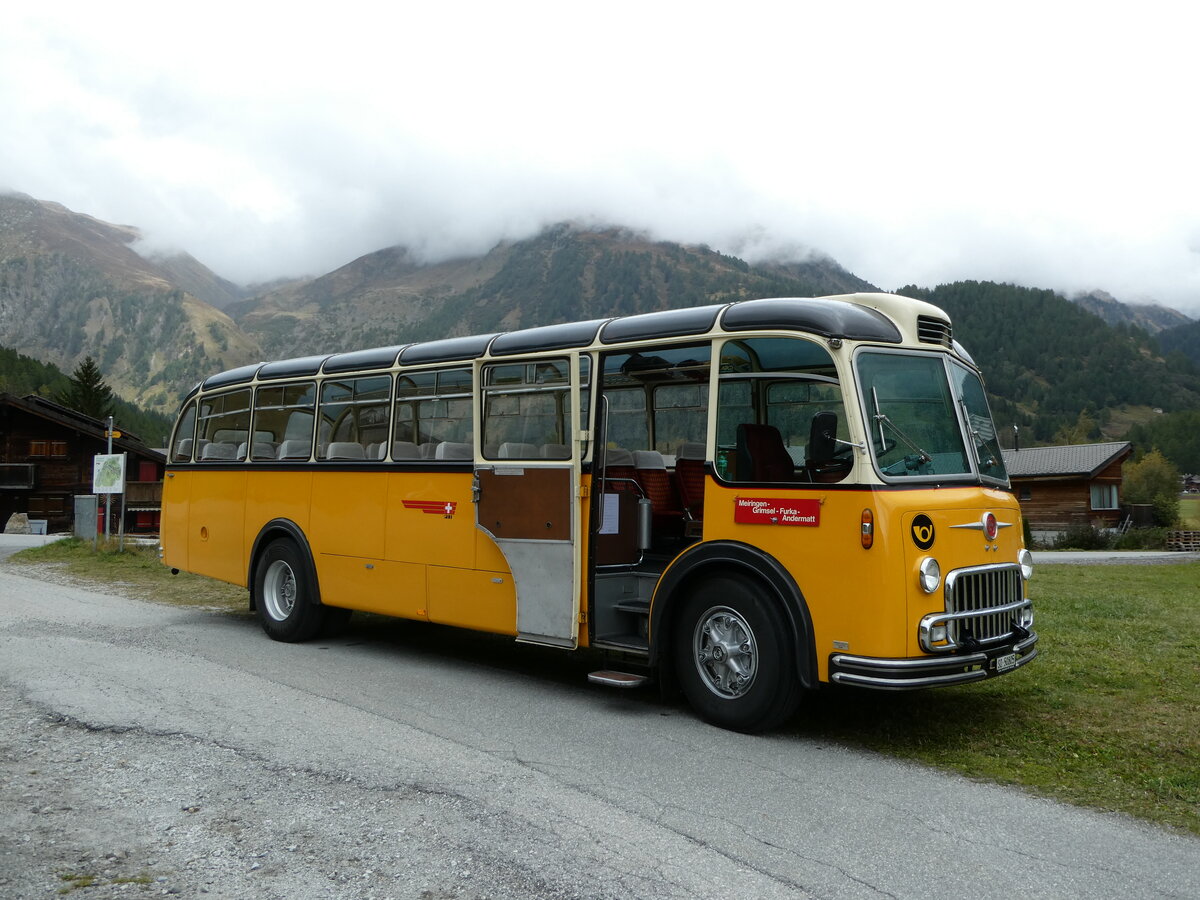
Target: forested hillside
22 375
1182 339
1050 364
1176 434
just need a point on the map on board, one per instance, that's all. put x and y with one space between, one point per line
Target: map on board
108 473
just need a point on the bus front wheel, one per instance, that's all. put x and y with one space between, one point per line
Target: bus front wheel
284 595
733 656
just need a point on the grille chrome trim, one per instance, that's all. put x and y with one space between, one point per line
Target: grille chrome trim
982 605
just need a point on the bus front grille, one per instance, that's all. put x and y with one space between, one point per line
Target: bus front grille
984 605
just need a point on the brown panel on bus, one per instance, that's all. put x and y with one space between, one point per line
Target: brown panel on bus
526 503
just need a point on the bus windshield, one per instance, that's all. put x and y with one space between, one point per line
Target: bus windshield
912 412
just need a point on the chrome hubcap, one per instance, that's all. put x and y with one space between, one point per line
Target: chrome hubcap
279 590
725 652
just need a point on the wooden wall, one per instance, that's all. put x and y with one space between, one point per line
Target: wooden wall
1057 504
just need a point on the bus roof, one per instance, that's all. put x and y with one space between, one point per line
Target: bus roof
857 317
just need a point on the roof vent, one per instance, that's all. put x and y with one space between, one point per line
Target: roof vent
931 330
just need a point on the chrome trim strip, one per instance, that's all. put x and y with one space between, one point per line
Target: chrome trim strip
895 665
895 674
955 574
909 684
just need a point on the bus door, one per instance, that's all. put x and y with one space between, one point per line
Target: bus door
527 480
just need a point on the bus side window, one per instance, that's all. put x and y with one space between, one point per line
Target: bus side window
432 410
527 409
657 398
354 415
185 435
780 413
224 427
283 415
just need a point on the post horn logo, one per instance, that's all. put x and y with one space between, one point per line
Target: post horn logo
922 531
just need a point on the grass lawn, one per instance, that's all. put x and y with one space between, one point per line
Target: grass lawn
137 572
1108 716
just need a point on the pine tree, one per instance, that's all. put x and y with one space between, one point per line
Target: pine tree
87 392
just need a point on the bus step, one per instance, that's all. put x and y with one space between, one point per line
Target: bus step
639 607
617 679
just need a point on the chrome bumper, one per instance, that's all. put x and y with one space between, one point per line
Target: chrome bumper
927 671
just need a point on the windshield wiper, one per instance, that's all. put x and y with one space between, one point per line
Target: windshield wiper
978 441
882 418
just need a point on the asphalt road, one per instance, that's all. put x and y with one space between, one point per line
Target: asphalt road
156 750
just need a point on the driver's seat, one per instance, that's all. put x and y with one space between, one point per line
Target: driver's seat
761 454
820 456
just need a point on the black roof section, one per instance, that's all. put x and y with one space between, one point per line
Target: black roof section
547 337
668 323
375 358
829 318
448 350
240 375
292 368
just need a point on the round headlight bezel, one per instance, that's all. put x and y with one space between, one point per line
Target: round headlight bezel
1025 561
929 575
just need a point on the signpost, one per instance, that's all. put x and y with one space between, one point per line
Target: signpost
108 478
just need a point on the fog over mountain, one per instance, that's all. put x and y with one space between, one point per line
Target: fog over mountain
924 143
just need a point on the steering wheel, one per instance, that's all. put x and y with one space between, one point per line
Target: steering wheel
914 463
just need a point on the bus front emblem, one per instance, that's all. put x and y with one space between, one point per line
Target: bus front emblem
922 531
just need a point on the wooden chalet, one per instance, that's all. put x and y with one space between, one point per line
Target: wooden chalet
1078 484
46 453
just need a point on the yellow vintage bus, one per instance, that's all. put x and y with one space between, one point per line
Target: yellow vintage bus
756 498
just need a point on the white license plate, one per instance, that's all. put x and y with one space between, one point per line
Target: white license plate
1006 662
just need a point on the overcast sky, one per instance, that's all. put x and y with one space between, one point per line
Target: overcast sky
1047 144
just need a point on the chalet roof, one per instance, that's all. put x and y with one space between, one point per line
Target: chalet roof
1072 459
70 418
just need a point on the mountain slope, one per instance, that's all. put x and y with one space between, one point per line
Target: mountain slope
71 285
1149 317
564 273
1048 360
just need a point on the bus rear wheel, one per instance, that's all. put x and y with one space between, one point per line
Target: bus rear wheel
733 656
284 595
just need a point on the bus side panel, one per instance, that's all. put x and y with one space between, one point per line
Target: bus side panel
216 544
173 527
486 601
851 593
430 519
277 495
372 585
353 507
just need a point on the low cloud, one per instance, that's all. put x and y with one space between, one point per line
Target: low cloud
907 152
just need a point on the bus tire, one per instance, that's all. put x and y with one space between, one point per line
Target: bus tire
284 596
733 656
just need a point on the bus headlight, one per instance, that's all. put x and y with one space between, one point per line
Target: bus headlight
1025 560
931 575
